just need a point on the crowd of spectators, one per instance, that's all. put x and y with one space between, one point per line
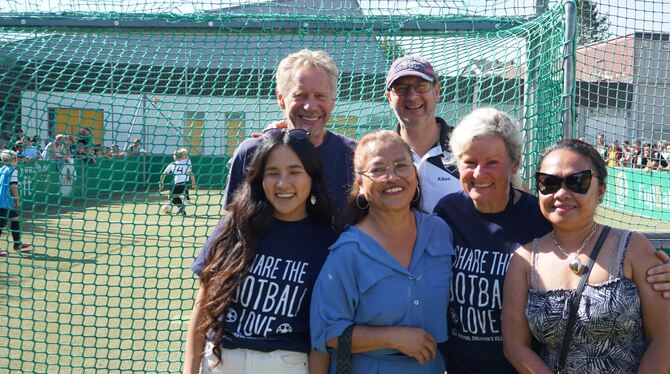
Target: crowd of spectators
64 148
640 154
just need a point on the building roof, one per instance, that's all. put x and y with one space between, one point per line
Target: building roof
197 49
611 60
302 7
203 48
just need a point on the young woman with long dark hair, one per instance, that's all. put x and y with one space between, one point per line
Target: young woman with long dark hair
257 271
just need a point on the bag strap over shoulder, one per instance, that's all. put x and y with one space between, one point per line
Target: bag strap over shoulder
574 305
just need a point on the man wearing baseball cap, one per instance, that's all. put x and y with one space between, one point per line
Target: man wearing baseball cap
413 91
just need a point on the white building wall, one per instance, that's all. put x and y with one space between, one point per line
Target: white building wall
613 122
159 120
650 110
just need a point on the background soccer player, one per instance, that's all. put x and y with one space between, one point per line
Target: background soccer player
182 170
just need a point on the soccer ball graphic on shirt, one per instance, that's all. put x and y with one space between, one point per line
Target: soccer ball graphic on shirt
167 208
284 328
231 316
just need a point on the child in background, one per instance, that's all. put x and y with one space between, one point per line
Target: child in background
9 199
182 170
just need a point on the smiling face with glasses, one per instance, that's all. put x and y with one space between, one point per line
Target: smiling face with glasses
569 190
387 177
414 101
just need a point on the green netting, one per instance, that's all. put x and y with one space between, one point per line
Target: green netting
622 95
107 285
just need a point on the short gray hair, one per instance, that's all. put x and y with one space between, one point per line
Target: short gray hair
484 123
309 58
7 156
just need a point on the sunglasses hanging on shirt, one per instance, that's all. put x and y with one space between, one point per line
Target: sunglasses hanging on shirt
294 134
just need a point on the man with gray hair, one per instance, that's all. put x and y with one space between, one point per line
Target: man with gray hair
306 91
9 199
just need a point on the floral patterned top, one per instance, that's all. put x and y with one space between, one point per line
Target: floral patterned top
608 336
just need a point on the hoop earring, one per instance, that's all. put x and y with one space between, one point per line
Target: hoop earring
358 203
417 195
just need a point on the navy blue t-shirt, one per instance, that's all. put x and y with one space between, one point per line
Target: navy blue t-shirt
484 244
337 155
270 309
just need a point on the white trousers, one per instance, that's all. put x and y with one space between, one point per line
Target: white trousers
241 361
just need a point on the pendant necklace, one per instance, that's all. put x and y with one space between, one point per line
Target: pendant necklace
574 263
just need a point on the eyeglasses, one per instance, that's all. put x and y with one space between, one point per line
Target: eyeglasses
376 173
579 182
294 134
419 87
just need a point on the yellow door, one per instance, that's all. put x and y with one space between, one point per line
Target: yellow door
345 125
70 120
234 131
193 135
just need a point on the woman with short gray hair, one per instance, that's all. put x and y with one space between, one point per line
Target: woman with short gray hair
490 219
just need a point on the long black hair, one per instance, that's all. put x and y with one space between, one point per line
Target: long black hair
250 215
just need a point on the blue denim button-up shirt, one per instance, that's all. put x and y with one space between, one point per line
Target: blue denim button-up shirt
362 284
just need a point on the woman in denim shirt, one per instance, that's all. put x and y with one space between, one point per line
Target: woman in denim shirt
388 274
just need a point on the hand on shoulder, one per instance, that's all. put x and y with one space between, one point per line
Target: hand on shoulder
641 256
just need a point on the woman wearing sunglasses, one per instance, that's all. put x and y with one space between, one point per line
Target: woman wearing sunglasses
258 268
490 219
620 324
387 277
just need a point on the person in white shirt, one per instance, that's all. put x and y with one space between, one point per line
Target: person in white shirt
413 92
182 170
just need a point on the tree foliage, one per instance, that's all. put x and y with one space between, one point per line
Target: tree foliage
591 25
391 49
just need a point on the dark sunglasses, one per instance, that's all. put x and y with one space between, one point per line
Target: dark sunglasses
294 134
579 182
